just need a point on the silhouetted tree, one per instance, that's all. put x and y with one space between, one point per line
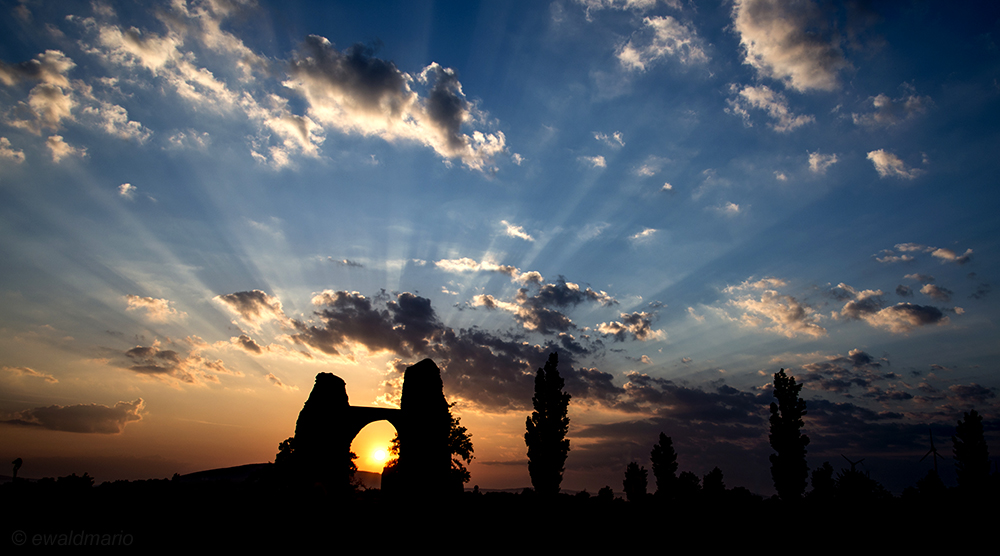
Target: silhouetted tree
606 495
972 458
823 485
855 486
546 430
664 460
635 482
712 484
460 446
931 487
688 486
788 466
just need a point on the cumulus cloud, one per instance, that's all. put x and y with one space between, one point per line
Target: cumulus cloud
644 235
638 325
466 264
126 190
790 41
355 92
61 149
728 208
763 98
818 163
595 161
868 305
842 373
29 372
775 312
889 165
516 231
254 307
277 382
662 37
158 310
616 139
173 365
889 112
8 152
85 418
943 253
937 292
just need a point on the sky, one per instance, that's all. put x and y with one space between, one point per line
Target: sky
206 203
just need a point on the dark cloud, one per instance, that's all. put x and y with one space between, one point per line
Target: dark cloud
253 307
869 306
169 364
971 394
350 263
981 291
247 343
842 373
904 291
937 292
86 418
637 325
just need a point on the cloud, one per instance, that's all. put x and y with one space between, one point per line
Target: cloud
542 311
516 231
890 165
127 190
638 325
949 256
8 152
61 149
919 277
616 139
728 209
169 364
763 98
253 307
904 291
28 371
158 310
85 418
590 231
595 161
842 373
868 305
937 292
277 382
466 264
659 38
818 163
790 41
645 235
889 112
772 311
667 187
349 263
355 92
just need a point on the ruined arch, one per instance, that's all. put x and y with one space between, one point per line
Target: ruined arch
328 424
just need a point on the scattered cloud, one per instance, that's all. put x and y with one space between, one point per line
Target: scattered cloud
29 372
127 190
84 418
763 98
818 163
61 149
355 92
889 112
662 37
616 139
937 292
254 307
890 165
8 152
158 310
638 325
793 42
667 187
277 382
516 231
595 161
645 235
869 306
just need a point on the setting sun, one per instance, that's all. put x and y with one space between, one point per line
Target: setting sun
379 455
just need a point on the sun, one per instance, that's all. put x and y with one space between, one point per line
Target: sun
380 455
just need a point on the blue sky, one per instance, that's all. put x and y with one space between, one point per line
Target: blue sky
206 203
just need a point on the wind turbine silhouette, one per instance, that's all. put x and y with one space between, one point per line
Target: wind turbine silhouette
853 463
933 450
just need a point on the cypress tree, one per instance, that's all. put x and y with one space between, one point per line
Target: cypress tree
546 430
